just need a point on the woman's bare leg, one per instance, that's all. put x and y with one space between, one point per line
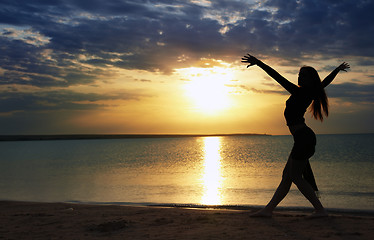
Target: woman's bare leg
279 194
305 188
293 173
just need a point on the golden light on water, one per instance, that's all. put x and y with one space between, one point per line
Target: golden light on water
212 177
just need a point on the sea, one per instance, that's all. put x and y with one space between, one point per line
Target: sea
186 171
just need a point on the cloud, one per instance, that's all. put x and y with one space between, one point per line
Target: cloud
295 29
60 44
84 36
58 100
352 92
239 87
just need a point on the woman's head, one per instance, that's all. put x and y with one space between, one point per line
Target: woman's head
309 79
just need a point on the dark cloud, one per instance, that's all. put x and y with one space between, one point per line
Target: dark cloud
57 100
42 123
294 29
353 92
30 65
151 36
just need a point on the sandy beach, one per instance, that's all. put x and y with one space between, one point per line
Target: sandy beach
28 220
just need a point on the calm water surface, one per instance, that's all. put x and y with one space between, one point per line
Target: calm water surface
230 170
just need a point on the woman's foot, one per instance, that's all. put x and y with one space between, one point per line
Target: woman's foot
262 213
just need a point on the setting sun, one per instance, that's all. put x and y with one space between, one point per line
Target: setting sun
207 88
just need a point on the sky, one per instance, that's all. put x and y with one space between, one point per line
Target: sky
174 67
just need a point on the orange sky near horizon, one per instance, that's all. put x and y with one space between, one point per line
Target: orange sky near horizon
208 98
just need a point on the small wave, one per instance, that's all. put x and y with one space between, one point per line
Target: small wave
228 207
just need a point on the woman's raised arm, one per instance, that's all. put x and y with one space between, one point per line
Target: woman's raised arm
290 87
342 67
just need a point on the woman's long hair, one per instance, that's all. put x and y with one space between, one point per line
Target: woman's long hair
319 106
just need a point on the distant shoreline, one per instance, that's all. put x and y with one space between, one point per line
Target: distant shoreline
112 136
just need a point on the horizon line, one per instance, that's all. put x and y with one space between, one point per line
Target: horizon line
30 137
78 136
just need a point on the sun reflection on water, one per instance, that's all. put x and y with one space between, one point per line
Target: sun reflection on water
212 177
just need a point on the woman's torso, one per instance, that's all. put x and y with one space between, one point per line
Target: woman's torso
296 106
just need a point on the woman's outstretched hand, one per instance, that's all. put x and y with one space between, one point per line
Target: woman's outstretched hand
344 66
250 59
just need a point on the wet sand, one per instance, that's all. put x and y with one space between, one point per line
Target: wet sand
28 220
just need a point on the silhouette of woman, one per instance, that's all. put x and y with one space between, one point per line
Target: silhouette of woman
309 92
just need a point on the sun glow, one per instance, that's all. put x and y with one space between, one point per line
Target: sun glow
208 88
